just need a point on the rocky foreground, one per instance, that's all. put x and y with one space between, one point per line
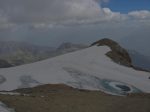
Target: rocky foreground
62 98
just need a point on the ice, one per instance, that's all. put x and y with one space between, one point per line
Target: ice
3 108
91 63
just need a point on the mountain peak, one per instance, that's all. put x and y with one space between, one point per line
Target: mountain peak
118 54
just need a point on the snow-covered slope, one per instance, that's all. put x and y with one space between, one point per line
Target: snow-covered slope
89 68
3 108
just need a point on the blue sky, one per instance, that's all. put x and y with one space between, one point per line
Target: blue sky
125 6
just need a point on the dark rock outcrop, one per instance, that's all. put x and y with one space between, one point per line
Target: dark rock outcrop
4 64
117 53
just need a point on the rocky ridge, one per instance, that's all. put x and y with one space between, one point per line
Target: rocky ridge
117 53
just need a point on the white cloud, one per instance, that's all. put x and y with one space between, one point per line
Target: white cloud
50 10
57 11
87 20
116 16
143 14
48 13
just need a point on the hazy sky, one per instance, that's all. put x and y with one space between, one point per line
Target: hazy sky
51 22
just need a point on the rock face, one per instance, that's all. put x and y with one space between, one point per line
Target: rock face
4 64
118 54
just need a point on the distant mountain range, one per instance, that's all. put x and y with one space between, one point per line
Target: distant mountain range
18 53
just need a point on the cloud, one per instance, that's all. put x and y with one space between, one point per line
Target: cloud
40 12
116 16
47 13
50 10
143 14
56 21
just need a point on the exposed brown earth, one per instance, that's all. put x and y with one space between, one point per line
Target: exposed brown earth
61 98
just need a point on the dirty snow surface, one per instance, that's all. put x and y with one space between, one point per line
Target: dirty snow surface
89 69
3 108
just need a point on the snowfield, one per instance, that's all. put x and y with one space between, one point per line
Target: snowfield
3 108
89 69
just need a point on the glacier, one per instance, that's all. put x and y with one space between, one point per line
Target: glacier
88 68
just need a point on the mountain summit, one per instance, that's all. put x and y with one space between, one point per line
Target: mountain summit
88 68
117 53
